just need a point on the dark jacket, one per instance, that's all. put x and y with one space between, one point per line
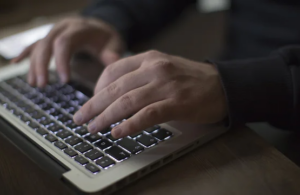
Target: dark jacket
259 86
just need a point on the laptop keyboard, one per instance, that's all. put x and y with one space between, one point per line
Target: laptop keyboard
49 111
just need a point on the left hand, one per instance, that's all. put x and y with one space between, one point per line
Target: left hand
156 88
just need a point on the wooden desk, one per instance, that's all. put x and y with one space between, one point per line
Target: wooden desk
237 163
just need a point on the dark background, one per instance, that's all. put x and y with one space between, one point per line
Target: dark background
194 35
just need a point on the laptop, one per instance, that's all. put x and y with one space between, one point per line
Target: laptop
39 122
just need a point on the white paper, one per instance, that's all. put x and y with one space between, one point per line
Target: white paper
12 46
207 6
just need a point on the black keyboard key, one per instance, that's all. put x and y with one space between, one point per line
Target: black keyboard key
2 101
83 147
103 144
21 104
70 97
17 113
54 97
56 113
93 137
64 134
146 140
28 109
109 136
41 131
73 140
33 125
38 101
14 100
82 131
130 145
46 122
106 130
64 119
31 95
11 81
105 162
59 100
37 115
72 125
81 160
46 106
70 152
67 90
65 105
151 129
162 134
117 153
93 168
51 138
72 110
24 118
10 108
136 134
55 128
93 154
22 78
60 145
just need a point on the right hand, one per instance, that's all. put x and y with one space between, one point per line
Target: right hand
67 37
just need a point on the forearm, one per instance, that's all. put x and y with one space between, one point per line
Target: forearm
136 19
264 89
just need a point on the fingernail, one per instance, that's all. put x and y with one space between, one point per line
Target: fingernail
40 81
78 117
116 132
92 128
63 78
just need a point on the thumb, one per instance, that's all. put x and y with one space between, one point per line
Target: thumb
108 57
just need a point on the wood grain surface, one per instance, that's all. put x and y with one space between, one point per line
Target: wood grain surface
237 163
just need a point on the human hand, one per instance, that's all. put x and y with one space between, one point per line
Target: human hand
67 37
156 88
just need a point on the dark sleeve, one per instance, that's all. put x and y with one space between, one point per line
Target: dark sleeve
264 89
136 19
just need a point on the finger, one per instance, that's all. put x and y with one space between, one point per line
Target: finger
151 115
108 57
108 95
71 41
25 53
31 73
41 57
43 53
112 51
117 70
125 106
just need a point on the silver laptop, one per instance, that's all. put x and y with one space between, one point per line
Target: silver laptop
39 122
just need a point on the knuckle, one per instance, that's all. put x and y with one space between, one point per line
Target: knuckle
126 102
61 41
109 71
102 118
113 90
163 65
151 112
162 68
152 54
